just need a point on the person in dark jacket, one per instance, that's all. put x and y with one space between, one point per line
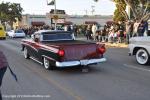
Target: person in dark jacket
141 29
88 33
121 32
3 67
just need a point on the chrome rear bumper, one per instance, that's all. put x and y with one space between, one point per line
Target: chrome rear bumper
81 62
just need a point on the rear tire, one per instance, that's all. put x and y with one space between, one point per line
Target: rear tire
25 52
47 64
142 57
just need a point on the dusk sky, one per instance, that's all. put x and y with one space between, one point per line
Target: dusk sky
72 7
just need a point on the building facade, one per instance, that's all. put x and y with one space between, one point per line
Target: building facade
63 19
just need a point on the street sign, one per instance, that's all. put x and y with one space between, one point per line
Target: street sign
58 21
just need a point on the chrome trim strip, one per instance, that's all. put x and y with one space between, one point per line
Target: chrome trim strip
31 46
36 60
48 58
48 48
67 64
92 61
81 62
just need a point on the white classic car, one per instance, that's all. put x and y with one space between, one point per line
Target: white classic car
140 47
16 33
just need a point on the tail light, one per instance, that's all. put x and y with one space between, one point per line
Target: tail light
61 53
102 50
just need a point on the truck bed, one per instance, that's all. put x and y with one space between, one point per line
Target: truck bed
76 50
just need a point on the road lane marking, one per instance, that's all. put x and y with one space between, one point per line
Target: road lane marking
137 68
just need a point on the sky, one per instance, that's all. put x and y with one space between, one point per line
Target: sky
72 7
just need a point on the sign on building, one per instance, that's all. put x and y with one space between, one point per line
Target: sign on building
59 21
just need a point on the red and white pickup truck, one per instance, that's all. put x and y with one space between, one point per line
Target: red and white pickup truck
60 49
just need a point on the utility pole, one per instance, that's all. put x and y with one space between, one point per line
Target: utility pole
86 12
55 12
55 16
93 10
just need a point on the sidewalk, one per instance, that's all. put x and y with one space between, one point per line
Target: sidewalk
117 45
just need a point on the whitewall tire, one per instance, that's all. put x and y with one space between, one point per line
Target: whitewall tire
25 52
142 57
47 64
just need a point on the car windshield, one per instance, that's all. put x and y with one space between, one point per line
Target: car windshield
18 31
57 36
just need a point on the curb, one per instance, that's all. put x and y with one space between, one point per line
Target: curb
117 45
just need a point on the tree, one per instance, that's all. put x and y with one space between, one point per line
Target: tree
118 16
120 12
9 12
139 8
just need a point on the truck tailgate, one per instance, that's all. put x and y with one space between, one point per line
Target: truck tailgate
80 51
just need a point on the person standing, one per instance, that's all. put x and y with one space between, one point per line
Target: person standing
3 67
128 31
88 33
75 30
135 28
141 29
103 31
94 29
146 28
121 32
66 28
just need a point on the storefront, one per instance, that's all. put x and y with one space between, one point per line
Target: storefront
37 23
91 22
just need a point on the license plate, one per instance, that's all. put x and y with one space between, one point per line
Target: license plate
84 62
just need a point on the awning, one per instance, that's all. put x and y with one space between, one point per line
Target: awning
90 22
68 23
37 23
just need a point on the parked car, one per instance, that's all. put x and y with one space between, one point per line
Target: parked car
2 32
60 49
16 33
140 47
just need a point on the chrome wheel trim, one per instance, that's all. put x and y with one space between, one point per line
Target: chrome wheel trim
25 53
46 63
142 56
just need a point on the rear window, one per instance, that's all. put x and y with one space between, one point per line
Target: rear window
59 36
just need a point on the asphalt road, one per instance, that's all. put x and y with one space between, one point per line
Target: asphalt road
120 78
